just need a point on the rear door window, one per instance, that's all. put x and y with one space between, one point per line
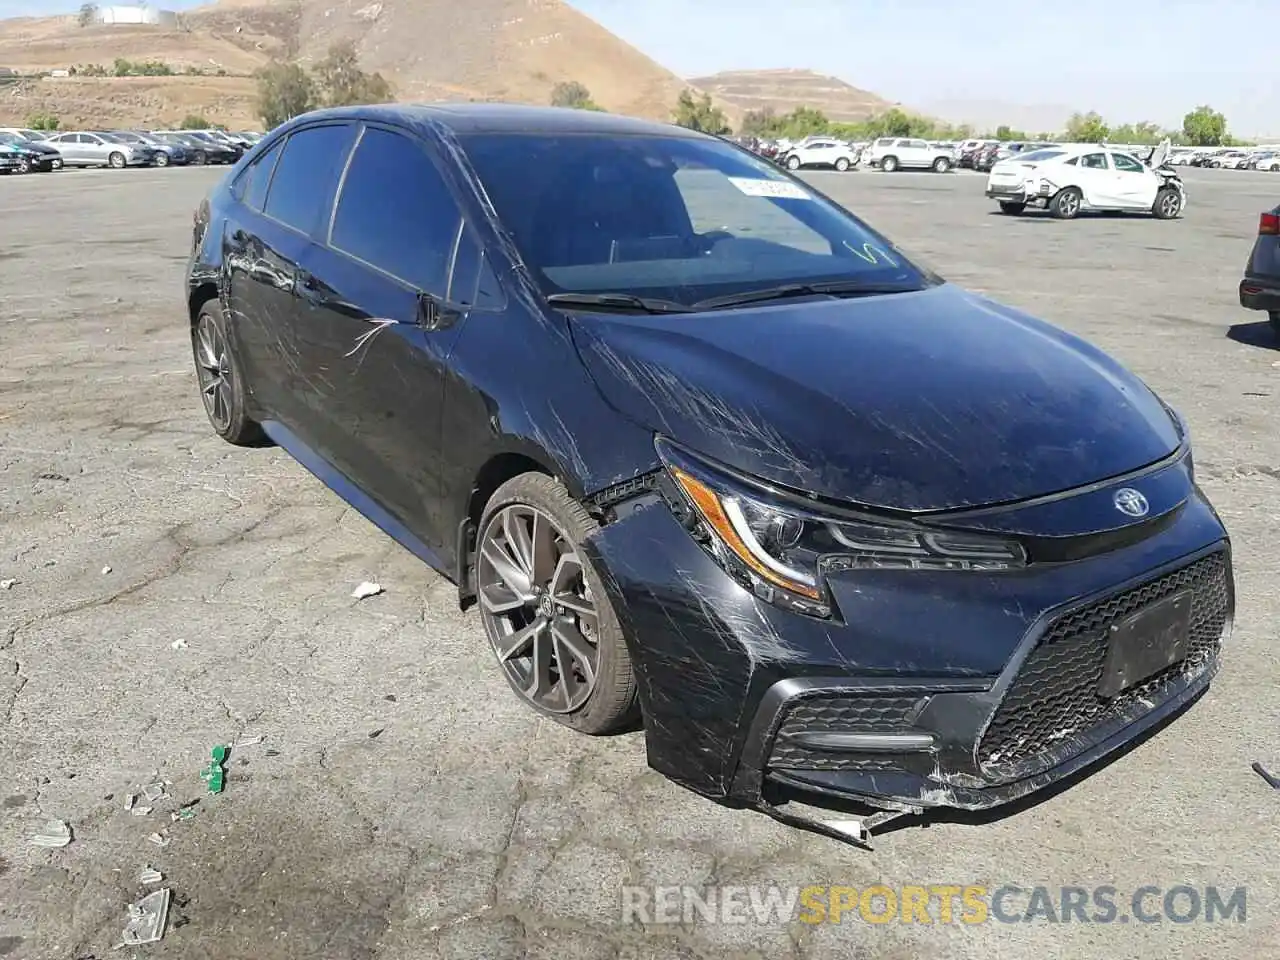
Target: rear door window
306 177
396 211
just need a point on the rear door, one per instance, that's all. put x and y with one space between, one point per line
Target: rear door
286 197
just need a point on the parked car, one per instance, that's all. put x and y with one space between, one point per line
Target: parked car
222 138
821 153
1260 288
1227 159
1069 179
32 156
88 149
907 153
11 159
35 138
199 150
166 153
813 515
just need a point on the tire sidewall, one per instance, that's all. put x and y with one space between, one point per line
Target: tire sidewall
239 423
1159 205
1056 204
613 655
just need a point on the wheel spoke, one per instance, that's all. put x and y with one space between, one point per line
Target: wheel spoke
542 550
506 567
577 673
568 569
499 598
539 682
208 357
519 542
517 644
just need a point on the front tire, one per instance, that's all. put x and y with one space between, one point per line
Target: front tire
1168 204
57 164
162 159
941 165
889 164
1065 204
222 387
793 163
24 165
545 611
1012 207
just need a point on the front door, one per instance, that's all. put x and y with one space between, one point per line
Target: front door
1097 180
382 372
1136 185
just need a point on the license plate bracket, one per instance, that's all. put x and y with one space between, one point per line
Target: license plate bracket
1146 642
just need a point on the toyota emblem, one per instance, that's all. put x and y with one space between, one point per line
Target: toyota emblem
1131 502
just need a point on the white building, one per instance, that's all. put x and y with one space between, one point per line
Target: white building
137 14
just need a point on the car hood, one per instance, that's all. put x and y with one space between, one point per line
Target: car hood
924 401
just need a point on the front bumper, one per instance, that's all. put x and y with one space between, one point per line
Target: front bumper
963 690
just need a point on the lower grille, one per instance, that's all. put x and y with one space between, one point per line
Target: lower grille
840 714
1054 695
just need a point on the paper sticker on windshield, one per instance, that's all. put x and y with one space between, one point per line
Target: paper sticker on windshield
770 188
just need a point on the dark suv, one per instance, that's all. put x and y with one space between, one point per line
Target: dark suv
710 453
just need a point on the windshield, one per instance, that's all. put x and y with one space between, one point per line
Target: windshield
676 218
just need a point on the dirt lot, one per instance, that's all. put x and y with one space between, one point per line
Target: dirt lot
403 805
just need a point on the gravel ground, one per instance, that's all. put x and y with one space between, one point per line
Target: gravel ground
403 804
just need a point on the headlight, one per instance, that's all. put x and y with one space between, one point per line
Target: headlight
783 548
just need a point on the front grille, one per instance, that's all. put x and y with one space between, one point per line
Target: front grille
1054 695
840 714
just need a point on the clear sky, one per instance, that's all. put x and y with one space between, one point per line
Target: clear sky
1144 60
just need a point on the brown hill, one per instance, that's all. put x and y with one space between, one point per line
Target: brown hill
429 49
784 90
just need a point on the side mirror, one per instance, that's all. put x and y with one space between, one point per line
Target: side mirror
433 314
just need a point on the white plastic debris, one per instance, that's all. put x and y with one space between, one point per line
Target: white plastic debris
129 801
105 571
55 833
178 644
154 792
7 584
150 875
248 742
366 589
141 811
147 919
159 839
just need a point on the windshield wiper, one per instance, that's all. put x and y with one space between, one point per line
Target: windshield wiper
622 301
833 288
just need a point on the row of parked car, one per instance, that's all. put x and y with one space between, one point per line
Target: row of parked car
886 153
31 151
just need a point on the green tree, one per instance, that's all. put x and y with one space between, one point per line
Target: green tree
760 123
88 14
1087 128
570 93
285 91
699 113
342 83
193 121
43 121
1204 127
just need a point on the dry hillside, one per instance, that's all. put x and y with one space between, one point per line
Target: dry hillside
784 90
429 49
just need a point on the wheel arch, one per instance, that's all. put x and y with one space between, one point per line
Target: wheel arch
200 293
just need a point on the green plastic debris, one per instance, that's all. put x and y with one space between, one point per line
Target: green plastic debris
214 774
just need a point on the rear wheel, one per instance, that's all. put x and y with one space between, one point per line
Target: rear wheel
24 165
57 164
1012 207
941 165
201 158
222 388
1066 204
842 164
545 611
889 164
116 161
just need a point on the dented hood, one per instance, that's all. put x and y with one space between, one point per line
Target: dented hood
920 401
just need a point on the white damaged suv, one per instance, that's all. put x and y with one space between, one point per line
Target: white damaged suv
1070 178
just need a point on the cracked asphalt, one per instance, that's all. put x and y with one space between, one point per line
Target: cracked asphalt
403 804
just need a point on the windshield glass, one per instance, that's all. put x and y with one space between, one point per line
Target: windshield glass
681 219
1036 156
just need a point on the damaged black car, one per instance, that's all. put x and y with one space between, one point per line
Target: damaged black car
711 456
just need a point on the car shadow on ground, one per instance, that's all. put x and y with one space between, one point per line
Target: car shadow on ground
976 818
1257 334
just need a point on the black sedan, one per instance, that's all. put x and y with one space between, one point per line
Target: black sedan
711 454
1260 288
32 156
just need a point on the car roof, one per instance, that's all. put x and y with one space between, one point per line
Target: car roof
464 118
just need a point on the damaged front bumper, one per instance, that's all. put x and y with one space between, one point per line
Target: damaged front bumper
925 689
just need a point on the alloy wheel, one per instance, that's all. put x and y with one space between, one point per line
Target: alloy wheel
1169 205
213 367
537 608
1069 204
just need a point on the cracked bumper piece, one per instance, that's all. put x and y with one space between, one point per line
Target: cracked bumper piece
925 689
